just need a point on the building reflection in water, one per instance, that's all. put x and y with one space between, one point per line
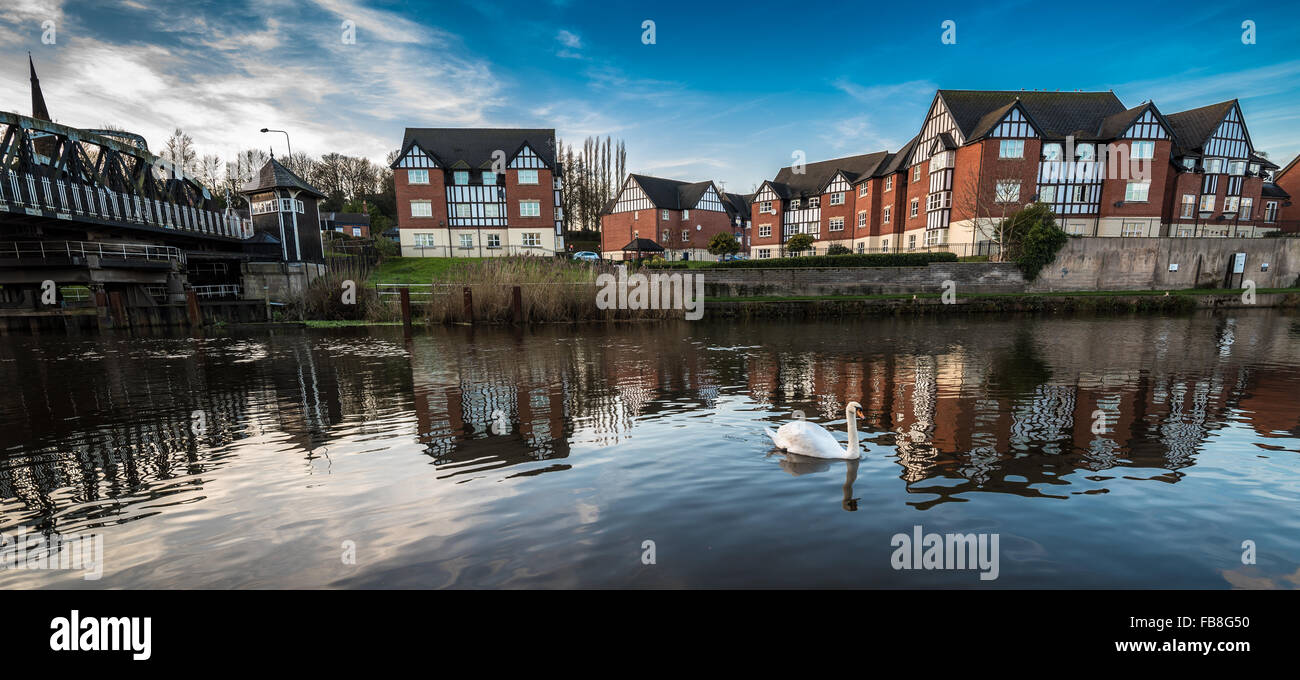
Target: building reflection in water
962 405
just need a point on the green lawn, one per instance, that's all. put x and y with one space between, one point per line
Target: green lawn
413 269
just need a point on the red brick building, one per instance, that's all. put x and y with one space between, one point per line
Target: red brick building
678 216
1105 170
478 192
1277 197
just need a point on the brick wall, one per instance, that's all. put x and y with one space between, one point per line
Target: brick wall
1143 263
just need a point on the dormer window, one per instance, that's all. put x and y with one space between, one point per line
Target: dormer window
1051 152
460 177
815 202
1254 168
1189 163
794 204
1213 166
1086 152
1236 167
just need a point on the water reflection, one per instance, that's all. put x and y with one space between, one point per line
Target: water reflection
100 432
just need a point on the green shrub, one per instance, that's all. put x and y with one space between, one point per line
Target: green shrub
1032 239
853 260
838 249
662 264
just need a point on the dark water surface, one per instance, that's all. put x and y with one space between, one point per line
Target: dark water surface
607 437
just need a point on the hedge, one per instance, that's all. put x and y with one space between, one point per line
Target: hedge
855 260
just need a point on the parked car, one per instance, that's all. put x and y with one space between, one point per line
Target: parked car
587 255
737 256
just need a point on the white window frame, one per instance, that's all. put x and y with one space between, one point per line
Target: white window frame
466 241
460 177
884 214
1142 150
837 198
1133 190
494 240
764 231
412 175
426 203
532 239
1002 191
1007 146
834 221
915 208
526 177
535 211
766 207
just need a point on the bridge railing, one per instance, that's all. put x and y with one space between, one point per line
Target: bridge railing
35 250
26 191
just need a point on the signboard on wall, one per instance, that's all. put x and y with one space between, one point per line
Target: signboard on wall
1238 263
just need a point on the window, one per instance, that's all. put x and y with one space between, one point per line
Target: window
528 177
1236 167
686 214
862 220
1144 150
1047 194
815 202
421 209
356 231
865 189
935 237
466 240
338 229
1230 204
884 215
686 234
1075 228
1254 168
884 245
1136 192
861 247
1246 205
417 176
663 215
1133 229
916 207
1213 166
764 253
766 207
489 178
462 210
837 198
837 224
1076 194
1051 152
794 204
667 235
1086 152
530 208
1189 163
916 173
938 200
491 210
1007 191
764 230
813 228
461 177
911 242
1011 148
1207 203
1270 211
532 239
889 183
1189 206
424 241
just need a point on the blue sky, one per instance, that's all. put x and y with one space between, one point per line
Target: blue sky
727 92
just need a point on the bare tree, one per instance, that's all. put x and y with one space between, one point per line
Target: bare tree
180 151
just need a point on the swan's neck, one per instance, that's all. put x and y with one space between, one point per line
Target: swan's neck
852 417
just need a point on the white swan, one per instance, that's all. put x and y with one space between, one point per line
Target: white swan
811 439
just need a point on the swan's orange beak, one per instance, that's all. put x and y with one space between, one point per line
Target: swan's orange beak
859 413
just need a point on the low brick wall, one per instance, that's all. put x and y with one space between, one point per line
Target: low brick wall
969 277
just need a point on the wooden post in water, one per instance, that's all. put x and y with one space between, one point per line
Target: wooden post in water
517 304
120 319
192 308
405 294
469 305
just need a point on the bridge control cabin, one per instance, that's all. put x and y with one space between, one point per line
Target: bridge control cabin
285 214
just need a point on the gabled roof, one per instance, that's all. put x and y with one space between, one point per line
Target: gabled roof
473 147
346 218
273 175
1289 167
1055 114
1193 127
1271 190
817 175
643 244
1266 163
1115 125
672 194
738 204
898 159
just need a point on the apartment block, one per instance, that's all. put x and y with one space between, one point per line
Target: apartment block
680 217
478 192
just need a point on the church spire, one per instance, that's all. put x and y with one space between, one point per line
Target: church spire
38 100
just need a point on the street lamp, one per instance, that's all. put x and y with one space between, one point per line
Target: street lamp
286 138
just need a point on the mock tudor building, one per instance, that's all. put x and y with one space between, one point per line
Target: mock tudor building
284 211
478 192
1105 170
681 217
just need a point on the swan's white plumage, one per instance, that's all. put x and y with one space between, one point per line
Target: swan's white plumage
810 439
